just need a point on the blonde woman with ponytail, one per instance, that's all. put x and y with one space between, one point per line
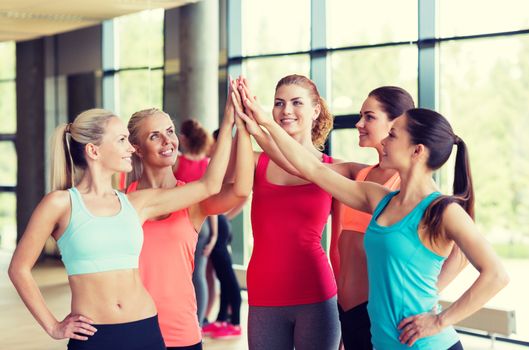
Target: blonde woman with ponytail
98 231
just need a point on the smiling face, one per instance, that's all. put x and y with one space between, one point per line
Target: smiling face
157 143
294 109
374 124
115 150
397 149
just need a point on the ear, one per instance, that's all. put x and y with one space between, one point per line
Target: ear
317 111
420 152
137 151
92 151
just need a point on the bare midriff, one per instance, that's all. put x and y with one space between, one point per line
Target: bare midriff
111 297
352 282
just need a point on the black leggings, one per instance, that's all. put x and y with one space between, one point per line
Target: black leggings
138 335
197 346
230 292
355 326
456 346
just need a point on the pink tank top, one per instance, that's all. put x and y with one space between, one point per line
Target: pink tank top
190 170
356 220
288 264
166 268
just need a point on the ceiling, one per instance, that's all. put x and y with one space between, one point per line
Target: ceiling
28 19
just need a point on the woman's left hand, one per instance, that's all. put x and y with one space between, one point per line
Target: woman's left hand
419 326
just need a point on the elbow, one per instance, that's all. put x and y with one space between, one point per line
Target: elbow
14 273
503 279
213 187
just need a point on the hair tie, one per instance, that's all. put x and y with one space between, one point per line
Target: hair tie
457 140
67 128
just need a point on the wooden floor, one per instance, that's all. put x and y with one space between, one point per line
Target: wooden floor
19 331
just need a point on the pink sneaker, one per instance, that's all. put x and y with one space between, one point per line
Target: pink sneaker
213 327
227 332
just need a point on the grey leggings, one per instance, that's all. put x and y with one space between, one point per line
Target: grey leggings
305 327
199 273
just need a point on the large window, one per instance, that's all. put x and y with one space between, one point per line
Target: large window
484 85
8 157
355 73
139 59
275 26
371 22
479 82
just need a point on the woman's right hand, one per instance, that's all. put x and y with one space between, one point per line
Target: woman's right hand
74 327
251 106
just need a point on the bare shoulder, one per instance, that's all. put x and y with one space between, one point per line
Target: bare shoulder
58 200
457 220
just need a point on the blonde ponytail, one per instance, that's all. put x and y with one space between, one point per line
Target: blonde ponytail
68 143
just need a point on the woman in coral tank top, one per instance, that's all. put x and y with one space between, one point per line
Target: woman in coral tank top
167 256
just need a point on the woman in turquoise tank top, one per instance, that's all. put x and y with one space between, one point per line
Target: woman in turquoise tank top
412 230
99 233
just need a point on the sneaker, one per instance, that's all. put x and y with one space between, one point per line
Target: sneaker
213 327
228 332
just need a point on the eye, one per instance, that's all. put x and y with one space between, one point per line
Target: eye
153 137
278 104
122 139
170 131
298 103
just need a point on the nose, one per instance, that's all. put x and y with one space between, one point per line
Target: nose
287 109
130 147
383 141
360 123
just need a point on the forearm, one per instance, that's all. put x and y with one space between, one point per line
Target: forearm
297 155
266 142
487 285
31 296
244 167
216 170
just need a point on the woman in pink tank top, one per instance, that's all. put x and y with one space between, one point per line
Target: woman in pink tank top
167 256
291 287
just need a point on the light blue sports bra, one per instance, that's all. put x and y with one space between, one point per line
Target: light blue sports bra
100 243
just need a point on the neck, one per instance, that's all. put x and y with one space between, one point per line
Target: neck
306 141
415 184
96 181
154 177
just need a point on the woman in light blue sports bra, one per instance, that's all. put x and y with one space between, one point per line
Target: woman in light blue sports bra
412 231
98 231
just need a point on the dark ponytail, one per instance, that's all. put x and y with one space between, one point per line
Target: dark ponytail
432 130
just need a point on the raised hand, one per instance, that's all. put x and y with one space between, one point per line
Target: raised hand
251 106
229 110
74 327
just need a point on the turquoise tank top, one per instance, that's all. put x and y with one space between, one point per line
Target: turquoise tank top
100 243
402 278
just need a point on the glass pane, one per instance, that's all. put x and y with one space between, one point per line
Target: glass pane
344 146
139 39
8 107
264 73
138 90
8 221
371 22
275 26
8 163
457 18
355 73
7 60
484 85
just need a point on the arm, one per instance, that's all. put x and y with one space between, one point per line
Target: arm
453 265
233 194
155 202
460 228
43 222
336 230
362 196
214 226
